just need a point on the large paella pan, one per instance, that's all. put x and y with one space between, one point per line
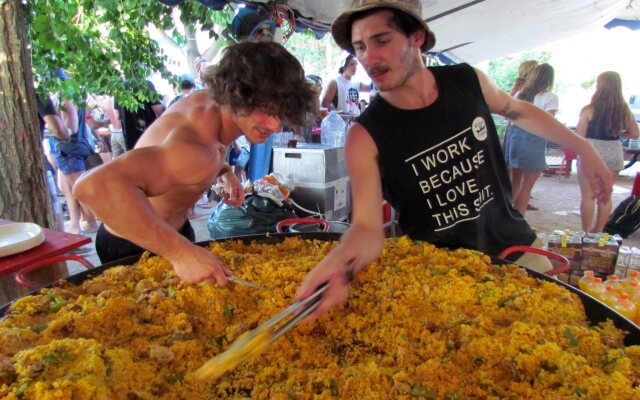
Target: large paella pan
422 322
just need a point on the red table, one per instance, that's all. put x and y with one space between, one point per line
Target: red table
55 243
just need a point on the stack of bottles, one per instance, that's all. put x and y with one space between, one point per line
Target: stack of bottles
623 295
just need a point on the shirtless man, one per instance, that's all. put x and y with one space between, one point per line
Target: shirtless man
143 197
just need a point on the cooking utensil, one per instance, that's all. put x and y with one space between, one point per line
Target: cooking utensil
238 281
252 343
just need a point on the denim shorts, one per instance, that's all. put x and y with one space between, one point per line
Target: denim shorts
526 151
69 164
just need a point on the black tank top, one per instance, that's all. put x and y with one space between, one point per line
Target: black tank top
443 170
595 130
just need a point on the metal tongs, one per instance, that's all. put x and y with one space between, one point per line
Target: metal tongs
310 304
254 342
239 281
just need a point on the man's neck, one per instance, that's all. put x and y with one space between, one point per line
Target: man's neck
229 130
419 91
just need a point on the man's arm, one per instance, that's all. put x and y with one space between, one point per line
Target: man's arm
541 123
362 243
118 193
328 95
57 126
69 114
93 124
54 123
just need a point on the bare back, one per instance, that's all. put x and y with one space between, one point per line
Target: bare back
190 155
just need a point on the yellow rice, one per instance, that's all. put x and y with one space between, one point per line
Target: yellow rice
421 322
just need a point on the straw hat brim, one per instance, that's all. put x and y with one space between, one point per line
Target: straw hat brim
341 28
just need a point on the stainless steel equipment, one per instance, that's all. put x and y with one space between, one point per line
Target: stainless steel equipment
320 177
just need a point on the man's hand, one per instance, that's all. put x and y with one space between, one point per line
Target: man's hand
338 273
230 189
198 264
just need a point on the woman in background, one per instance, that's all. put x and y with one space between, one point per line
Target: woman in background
524 70
603 121
527 151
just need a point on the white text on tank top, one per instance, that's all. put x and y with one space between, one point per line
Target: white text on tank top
446 175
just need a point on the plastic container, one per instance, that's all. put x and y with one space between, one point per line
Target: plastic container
585 279
613 282
633 290
632 276
594 287
609 297
333 130
625 306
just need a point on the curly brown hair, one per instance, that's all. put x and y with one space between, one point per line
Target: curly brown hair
262 76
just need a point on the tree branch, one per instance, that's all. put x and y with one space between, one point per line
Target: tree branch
168 39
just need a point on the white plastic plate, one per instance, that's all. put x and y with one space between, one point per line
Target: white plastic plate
18 237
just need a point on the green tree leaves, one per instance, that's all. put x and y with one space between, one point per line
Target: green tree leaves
102 44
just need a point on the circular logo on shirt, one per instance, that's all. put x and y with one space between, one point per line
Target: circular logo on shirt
479 128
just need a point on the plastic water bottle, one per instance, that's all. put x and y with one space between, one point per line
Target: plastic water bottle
332 130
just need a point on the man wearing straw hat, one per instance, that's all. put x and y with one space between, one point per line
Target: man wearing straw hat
428 145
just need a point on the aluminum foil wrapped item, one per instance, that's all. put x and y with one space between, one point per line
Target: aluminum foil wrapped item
275 187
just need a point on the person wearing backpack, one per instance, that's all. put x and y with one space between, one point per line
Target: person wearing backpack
603 121
71 150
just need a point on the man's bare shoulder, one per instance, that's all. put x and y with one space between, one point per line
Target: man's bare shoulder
196 116
195 107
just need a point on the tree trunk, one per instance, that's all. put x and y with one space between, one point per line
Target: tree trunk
24 194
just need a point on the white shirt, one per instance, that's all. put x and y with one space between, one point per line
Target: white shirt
547 101
348 96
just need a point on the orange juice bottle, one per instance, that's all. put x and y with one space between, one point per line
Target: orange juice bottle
613 281
594 287
584 280
632 288
625 306
632 276
608 296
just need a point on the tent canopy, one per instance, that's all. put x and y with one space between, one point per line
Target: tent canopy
477 30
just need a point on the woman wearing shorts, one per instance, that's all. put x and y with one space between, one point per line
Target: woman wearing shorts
70 166
603 122
526 157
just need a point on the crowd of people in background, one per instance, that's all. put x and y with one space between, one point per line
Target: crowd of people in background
111 129
399 149
605 122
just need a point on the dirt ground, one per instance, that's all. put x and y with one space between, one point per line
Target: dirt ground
558 202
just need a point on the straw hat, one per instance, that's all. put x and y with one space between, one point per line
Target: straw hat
341 27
